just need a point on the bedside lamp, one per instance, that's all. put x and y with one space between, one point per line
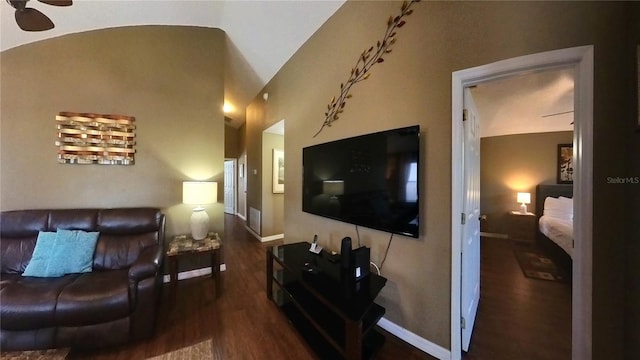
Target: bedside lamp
523 198
199 193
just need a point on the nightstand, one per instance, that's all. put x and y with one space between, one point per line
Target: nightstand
183 246
522 227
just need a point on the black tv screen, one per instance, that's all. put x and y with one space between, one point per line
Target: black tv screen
370 180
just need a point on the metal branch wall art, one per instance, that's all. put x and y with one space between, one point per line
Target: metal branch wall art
362 70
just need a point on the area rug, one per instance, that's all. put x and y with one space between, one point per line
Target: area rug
200 351
50 354
536 265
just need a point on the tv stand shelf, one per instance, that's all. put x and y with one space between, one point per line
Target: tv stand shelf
335 315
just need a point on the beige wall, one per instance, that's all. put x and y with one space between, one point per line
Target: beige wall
413 86
232 148
253 132
272 204
511 164
169 78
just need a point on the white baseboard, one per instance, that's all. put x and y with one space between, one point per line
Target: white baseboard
422 344
241 216
272 237
194 273
263 239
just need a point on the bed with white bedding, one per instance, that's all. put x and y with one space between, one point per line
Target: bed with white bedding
560 231
554 211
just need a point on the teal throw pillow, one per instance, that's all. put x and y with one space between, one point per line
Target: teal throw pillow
71 252
41 254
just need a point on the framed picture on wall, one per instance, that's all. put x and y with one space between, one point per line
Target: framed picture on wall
565 163
278 171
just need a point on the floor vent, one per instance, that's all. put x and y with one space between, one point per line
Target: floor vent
254 220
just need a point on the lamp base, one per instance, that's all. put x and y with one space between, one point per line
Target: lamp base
199 224
523 208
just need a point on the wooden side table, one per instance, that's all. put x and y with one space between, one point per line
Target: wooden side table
184 246
522 227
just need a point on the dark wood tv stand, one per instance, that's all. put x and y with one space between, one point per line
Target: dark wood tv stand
336 316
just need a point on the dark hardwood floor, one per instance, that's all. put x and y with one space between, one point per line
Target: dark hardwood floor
242 322
518 318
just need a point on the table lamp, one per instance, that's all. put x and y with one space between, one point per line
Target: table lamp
199 193
523 198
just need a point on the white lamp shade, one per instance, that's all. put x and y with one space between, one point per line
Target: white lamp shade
523 198
199 192
333 187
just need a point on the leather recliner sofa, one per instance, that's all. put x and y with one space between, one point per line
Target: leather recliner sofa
113 304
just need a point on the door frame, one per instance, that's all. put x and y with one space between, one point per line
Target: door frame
581 59
234 184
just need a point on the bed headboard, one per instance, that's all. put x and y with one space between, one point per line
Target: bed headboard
543 191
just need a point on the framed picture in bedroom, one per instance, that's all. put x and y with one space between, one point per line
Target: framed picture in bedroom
565 163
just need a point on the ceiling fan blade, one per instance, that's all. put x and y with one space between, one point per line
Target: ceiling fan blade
558 113
33 20
57 2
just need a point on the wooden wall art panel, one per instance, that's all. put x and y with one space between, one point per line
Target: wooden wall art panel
95 139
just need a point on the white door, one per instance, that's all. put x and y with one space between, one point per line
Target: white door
470 291
229 187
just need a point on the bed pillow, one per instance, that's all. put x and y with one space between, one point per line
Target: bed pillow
71 251
561 208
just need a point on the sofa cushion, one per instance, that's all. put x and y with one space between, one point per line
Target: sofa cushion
8 279
93 298
20 224
73 219
30 302
63 252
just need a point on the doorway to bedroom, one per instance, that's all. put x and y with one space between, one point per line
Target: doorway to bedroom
579 60
522 120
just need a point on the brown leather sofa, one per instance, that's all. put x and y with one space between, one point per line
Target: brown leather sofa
114 303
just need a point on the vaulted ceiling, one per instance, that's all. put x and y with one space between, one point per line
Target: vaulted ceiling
262 35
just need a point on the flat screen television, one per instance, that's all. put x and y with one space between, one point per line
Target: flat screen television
369 180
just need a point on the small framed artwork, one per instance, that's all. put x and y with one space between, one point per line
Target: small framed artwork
565 164
278 171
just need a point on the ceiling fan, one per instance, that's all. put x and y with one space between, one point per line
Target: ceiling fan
30 19
559 113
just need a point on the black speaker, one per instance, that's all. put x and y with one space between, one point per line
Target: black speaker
345 253
360 263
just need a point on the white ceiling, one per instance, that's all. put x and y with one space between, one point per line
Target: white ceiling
264 34
277 128
531 103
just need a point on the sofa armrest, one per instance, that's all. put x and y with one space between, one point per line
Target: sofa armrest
147 265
